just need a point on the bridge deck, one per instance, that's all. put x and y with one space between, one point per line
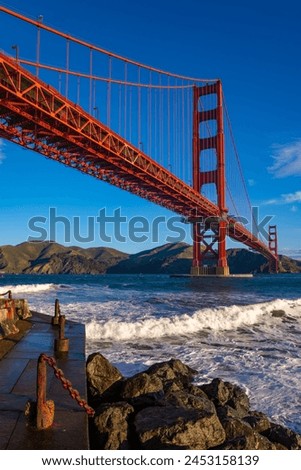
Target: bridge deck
18 385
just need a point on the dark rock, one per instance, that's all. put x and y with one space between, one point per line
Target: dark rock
251 441
239 400
111 426
278 313
186 400
262 443
281 435
235 427
101 374
224 393
226 412
196 391
178 428
279 446
258 421
218 391
161 409
174 369
240 436
147 400
140 384
172 386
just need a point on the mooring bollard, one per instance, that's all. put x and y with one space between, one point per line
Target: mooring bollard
45 408
61 344
57 310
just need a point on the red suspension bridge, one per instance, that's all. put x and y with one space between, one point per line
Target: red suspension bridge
162 136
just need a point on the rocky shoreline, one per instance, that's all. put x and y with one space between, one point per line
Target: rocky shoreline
161 408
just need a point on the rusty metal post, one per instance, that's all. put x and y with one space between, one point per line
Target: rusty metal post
61 344
10 295
57 310
45 409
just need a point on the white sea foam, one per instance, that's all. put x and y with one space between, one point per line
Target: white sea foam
211 319
27 288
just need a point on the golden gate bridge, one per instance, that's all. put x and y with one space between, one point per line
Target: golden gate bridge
165 137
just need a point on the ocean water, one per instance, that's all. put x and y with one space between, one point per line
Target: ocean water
246 331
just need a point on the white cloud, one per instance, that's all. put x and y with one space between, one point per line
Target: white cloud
294 209
270 202
287 160
2 154
290 198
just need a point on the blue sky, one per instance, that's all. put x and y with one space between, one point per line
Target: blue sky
253 46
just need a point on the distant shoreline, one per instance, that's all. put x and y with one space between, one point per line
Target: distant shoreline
172 258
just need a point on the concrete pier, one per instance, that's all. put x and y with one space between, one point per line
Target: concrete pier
18 370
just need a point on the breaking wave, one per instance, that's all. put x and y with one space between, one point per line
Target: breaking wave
210 319
25 288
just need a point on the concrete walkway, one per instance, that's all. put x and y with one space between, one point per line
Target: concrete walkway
18 385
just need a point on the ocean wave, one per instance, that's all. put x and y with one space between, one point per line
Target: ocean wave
25 288
210 319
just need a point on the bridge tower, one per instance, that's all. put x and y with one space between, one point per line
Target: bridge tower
273 247
209 234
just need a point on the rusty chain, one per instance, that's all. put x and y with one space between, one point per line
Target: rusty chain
67 384
9 294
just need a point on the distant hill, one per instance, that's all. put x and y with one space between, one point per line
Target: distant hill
53 258
170 259
173 258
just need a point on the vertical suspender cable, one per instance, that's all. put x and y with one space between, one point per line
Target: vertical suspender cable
78 91
149 115
60 82
90 83
182 153
40 19
139 108
125 99
161 123
109 91
67 67
168 124
119 109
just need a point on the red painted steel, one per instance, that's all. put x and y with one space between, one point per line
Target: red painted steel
273 247
202 248
34 115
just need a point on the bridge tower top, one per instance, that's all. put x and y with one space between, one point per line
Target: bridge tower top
273 247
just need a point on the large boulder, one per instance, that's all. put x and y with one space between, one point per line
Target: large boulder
172 370
111 426
140 384
101 374
258 421
174 427
224 393
184 399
